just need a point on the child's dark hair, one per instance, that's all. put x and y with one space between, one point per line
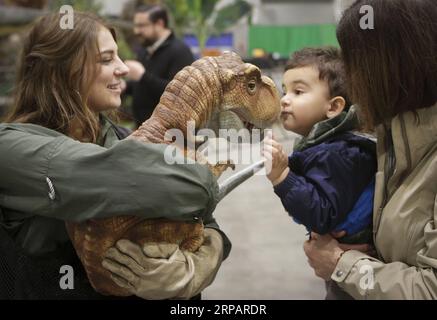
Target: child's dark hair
329 62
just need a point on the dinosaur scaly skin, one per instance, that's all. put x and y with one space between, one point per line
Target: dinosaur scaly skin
209 86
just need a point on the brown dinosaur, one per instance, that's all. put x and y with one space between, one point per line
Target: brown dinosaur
210 86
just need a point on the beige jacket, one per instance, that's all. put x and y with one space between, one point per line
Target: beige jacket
405 216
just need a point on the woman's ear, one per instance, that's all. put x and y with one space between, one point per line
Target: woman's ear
336 106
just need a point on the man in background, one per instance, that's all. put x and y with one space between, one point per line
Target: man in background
162 56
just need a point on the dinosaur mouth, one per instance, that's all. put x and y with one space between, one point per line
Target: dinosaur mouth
243 116
235 119
248 125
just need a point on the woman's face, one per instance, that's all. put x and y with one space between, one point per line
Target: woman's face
106 89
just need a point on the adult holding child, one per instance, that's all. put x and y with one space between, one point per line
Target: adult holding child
392 76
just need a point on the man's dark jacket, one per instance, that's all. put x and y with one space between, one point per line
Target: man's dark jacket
171 57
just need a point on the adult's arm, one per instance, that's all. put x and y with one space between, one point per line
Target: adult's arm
365 277
89 181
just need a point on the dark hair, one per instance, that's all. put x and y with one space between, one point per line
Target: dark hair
156 12
392 68
330 65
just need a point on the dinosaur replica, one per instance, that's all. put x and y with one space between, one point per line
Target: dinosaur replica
210 86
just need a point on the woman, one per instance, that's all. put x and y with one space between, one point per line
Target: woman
67 79
392 72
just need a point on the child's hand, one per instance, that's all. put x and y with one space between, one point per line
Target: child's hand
277 161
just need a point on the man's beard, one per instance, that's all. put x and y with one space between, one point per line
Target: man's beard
147 42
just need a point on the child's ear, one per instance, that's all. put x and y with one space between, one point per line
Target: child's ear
336 106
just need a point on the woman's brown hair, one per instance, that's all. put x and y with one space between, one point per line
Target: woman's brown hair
392 68
57 67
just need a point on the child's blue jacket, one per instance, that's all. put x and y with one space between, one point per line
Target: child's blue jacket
327 179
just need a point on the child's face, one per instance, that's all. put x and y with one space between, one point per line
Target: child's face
305 101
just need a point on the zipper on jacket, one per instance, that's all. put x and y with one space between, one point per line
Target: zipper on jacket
407 150
389 165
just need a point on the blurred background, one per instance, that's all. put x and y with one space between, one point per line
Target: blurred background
263 32
267 260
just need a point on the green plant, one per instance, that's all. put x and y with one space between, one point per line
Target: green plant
179 14
202 18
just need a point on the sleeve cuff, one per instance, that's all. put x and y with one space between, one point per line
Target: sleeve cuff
227 245
290 181
346 264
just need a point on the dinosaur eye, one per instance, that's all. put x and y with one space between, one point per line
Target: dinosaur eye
251 86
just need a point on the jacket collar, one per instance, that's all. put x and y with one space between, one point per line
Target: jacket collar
414 135
107 134
323 130
160 44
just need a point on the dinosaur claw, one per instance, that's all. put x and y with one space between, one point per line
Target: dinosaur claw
227 164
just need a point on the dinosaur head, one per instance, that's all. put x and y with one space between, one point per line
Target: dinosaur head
249 95
217 93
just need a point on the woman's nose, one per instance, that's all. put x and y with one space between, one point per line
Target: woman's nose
122 69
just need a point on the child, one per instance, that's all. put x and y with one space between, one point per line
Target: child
327 183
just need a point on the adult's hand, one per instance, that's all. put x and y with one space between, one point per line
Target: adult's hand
363 247
163 271
323 253
136 70
156 271
206 260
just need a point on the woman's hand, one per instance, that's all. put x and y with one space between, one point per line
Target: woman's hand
162 270
323 253
156 271
277 160
363 247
